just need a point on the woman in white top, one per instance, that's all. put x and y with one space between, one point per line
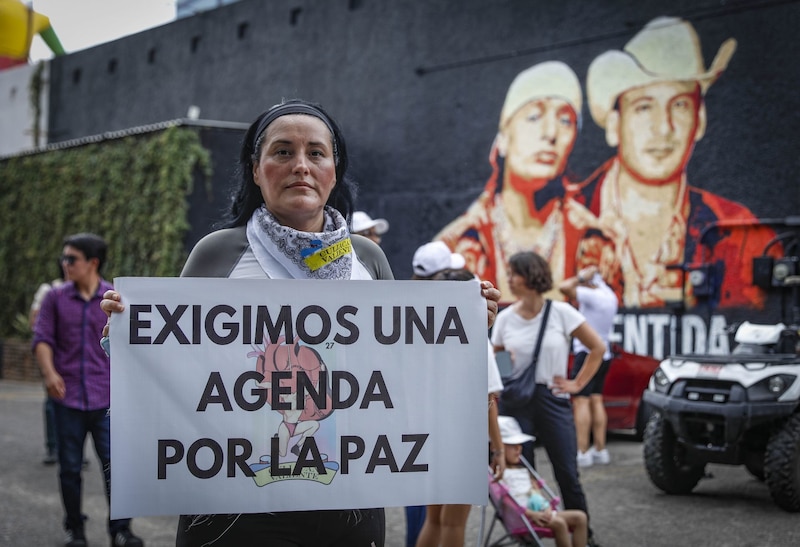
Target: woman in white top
598 303
548 416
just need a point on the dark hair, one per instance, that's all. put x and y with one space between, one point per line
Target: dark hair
461 274
247 196
62 273
91 245
534 269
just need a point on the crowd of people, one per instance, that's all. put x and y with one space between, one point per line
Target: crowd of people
293 194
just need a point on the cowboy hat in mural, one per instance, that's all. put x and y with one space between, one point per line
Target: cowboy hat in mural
666 49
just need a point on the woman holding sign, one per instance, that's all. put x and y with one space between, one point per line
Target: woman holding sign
288 220
547 415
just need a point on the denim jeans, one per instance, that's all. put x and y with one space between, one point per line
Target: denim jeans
72 426
51 442
415 518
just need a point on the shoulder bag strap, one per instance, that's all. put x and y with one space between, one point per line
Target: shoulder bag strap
541 334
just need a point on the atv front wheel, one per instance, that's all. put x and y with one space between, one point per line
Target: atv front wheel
642 417
782 465
664 459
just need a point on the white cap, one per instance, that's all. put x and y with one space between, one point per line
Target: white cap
434 257
511 432
549 79
363 222
666 49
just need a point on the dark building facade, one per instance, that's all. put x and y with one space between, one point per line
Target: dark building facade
419 88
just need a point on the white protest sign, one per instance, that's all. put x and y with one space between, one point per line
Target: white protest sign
249 396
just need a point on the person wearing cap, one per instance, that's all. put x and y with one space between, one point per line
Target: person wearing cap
523 487
366 226
598 303
650 100
522 206
435 257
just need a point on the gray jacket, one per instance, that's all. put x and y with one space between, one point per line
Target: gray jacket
218 253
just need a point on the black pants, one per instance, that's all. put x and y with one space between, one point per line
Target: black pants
72 427
549 419
350 528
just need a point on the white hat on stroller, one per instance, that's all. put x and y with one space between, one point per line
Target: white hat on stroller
511 432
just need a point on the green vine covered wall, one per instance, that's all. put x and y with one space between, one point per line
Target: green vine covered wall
132 191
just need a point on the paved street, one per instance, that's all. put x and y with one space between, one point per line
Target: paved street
731 509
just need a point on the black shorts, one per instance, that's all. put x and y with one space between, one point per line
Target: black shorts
595 385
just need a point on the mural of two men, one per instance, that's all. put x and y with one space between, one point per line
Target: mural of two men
636 217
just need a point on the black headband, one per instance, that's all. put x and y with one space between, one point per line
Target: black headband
295 108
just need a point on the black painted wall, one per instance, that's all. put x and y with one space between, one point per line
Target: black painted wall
209 200
418 84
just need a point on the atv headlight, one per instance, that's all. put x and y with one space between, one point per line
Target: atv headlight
776 385
660 381
771 388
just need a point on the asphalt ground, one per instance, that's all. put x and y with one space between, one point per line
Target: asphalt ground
730 509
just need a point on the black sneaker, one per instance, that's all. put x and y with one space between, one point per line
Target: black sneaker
125 538
75 538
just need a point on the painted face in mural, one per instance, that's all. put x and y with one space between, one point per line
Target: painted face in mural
656 128
296 170
538 138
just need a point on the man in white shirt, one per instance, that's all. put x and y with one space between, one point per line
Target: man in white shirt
598 303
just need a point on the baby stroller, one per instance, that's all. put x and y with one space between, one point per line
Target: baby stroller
510 515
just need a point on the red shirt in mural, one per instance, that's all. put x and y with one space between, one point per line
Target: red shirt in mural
582 223
485 237
704 229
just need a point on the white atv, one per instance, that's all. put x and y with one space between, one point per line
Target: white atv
737 409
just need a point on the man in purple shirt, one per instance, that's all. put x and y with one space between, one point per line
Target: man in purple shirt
77 376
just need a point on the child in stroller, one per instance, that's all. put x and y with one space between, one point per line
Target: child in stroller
529 492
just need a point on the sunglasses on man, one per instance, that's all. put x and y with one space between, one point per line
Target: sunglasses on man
69 260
